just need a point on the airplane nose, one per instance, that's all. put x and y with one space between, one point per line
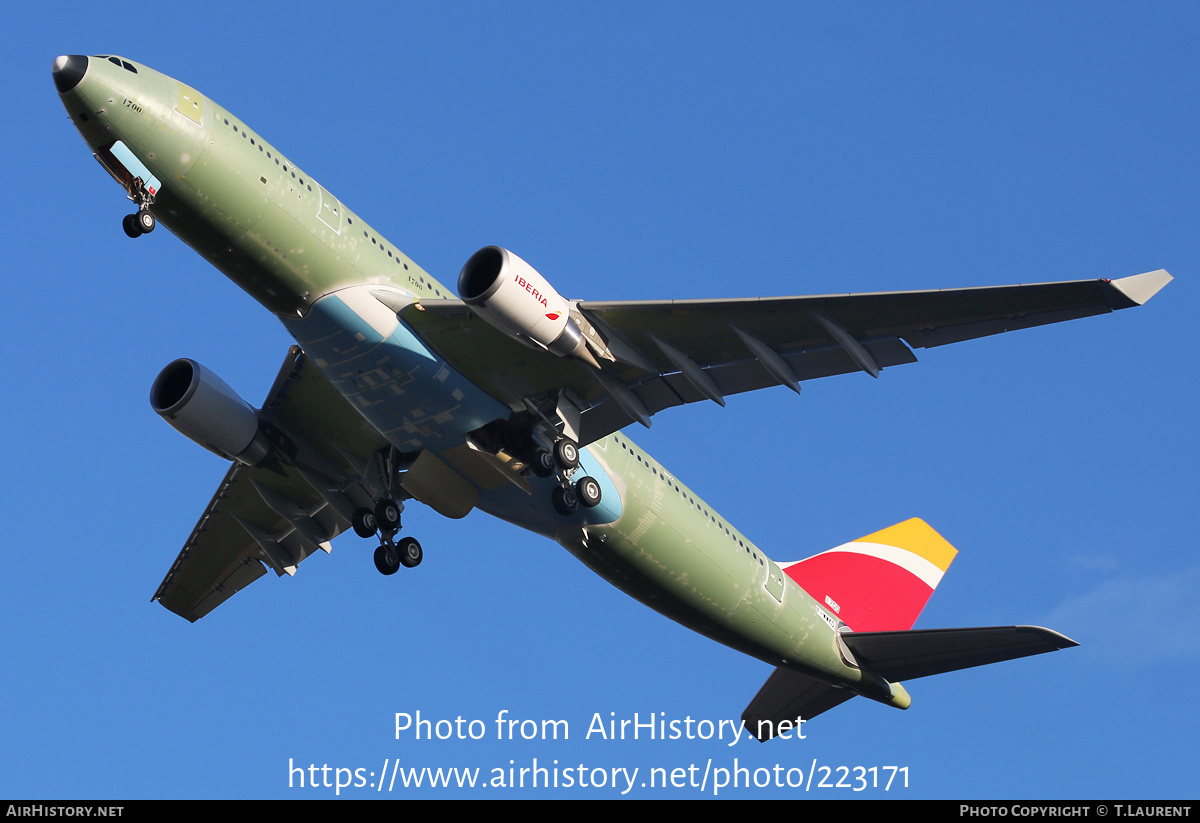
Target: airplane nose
68 70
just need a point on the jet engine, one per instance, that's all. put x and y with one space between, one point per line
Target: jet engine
201 406
511 295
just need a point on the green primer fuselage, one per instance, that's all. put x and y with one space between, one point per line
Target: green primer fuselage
273 230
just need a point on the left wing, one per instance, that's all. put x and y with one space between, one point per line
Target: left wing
275 516
670 352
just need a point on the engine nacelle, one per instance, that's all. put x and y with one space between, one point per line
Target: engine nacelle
201 406
511 295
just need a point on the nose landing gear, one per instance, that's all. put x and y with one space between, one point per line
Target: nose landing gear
136 225
142 221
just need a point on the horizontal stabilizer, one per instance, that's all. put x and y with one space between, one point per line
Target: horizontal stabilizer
786 697
911 654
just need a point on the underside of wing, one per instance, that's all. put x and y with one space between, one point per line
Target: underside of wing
276 515
659 354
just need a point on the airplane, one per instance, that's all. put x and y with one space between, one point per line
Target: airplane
509 398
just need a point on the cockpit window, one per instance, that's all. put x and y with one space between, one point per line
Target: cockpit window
125 64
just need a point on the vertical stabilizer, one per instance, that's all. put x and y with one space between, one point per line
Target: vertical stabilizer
880 582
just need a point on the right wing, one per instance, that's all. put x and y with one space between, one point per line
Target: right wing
274 517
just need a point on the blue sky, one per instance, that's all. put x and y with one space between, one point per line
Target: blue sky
628 151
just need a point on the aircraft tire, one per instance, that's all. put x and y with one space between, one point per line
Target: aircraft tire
129 224
587 489
543 463
145 221
387 515
566 453
565 500
387 560
364 523
410 552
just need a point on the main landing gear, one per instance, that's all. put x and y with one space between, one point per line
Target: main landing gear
384 521
569 494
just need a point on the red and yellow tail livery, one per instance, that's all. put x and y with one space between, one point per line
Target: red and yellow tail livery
880 582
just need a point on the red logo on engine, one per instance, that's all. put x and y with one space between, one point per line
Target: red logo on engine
554 315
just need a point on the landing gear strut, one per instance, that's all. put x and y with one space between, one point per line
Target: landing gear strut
142 221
